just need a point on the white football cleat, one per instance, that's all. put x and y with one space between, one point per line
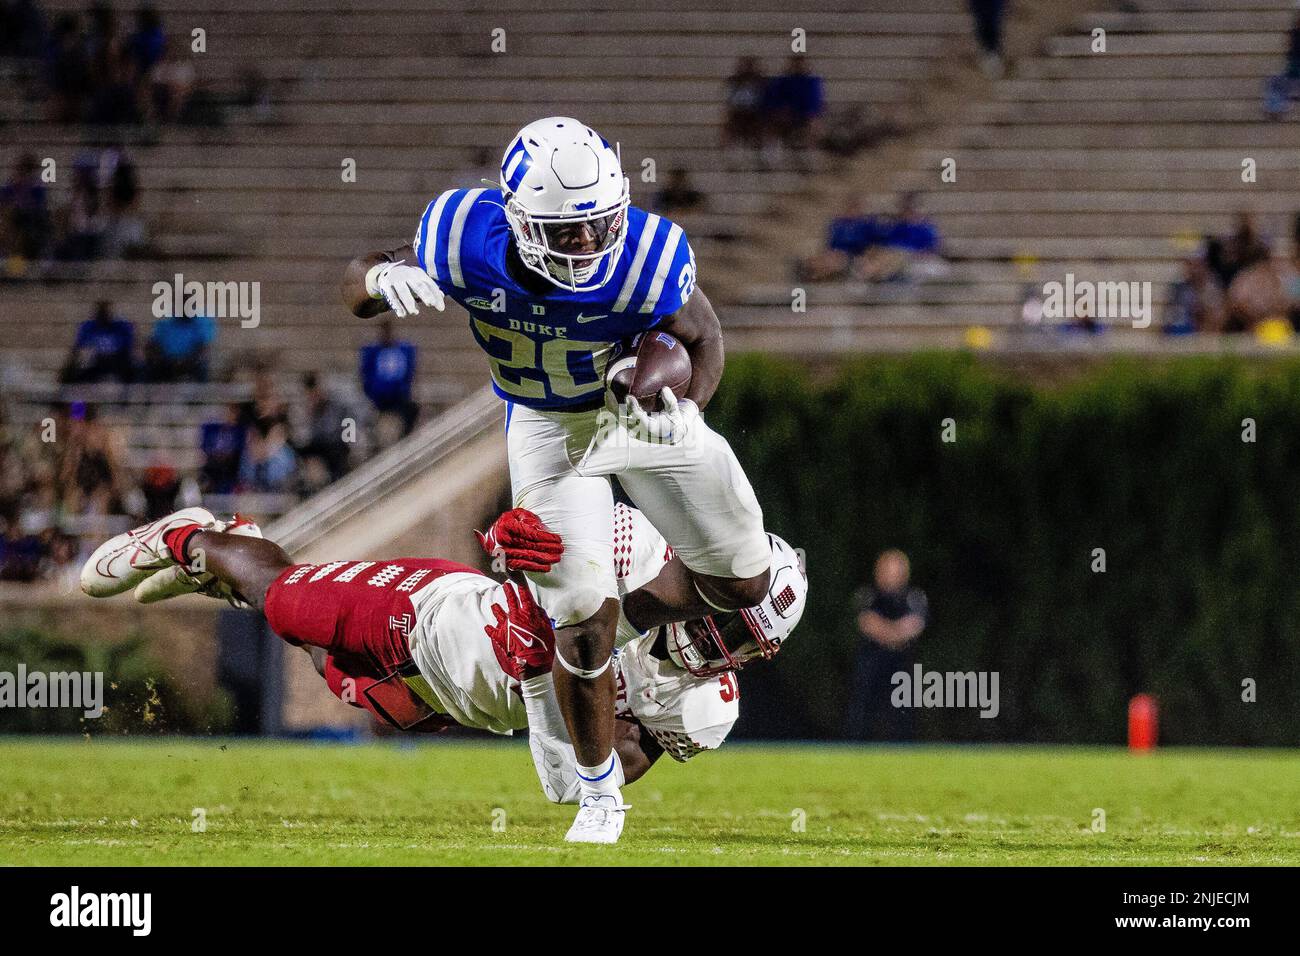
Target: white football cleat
177 579
123 561
600 820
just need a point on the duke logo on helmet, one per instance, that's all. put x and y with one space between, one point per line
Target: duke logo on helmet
559 177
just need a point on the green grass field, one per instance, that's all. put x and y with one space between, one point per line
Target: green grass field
124 802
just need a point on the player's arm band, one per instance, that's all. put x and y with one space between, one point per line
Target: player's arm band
578 672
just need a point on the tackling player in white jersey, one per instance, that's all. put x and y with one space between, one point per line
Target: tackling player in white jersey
557 271
422 644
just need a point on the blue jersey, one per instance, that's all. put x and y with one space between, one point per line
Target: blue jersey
549 350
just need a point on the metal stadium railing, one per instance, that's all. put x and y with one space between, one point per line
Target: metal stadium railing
386 472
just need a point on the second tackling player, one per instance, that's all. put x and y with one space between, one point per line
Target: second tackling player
424 643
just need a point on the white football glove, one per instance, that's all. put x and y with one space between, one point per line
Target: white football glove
668 427
399 285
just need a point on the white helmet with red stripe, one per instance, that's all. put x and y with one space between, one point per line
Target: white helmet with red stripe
727 640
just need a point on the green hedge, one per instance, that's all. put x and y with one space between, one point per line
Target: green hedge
138 696
1201 532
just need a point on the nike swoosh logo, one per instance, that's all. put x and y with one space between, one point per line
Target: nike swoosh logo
583 319
519 633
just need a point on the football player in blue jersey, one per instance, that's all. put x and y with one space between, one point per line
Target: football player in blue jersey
557 271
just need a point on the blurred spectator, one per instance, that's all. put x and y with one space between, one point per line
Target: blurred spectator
890 617
905 246
61 559
160 483
178 349
988 16
222 445
98 74
388 375
745 119
22 29
847 238
1195 301
1032 305
84 219
103 350
323 444
1293 277
116 99
793 102
124 230
92 477
24 211
269 462
267 409
147 42
1280 90
22 550
678 194
171 84
1257 294
1243 248
68 71
877 248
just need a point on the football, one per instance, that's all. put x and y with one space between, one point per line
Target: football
652 361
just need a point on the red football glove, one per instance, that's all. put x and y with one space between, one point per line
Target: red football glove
527 544
522 639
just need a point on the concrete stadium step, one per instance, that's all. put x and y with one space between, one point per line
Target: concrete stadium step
1265 18
1113 248
1091 224
1035 160
670 93
629 22
1172 66
1122 89
1141 135
1120 44
973 179
1219 110
1065 202
401 8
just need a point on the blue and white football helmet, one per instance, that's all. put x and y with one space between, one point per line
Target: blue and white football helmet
564 185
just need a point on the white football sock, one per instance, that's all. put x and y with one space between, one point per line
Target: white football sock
605 778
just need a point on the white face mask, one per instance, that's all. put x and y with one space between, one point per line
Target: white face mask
596 241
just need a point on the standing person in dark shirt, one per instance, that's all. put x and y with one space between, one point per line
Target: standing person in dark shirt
890 617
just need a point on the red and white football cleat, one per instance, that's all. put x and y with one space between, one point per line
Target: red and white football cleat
123 561
177 580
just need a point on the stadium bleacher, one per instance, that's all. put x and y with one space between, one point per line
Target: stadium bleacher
1073 162
1113 163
